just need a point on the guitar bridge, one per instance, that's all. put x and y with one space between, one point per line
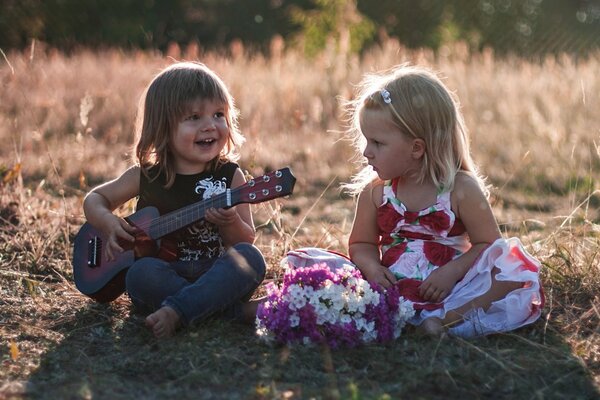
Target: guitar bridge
94 251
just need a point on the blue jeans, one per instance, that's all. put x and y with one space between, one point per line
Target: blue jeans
198 289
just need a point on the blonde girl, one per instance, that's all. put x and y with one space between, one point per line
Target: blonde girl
423 220
187 145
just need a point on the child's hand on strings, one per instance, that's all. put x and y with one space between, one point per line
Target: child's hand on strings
439 284
116 230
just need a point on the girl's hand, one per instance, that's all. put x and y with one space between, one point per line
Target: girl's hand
439 284
380 275
222 216
116 230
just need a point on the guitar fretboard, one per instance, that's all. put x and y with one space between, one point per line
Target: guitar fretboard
189 214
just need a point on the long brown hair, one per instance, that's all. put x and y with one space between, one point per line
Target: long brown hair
162 106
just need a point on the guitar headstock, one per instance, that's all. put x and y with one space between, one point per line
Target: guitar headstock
269 186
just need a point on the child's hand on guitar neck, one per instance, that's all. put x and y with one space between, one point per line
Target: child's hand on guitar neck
222 216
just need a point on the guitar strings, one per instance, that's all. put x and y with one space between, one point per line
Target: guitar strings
201 206
177 216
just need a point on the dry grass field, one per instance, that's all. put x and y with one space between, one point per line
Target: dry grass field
66 124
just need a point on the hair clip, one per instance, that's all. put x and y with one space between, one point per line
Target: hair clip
386 96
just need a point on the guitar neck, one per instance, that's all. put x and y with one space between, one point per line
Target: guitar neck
269 186
187 215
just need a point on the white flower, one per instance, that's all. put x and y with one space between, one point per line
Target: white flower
333 306
294 320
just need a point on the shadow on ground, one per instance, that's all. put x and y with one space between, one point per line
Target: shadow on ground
108 353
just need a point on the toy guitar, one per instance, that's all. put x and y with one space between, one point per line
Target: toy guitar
104 280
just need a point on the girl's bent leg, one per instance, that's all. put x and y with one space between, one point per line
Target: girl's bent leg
498 291
230 281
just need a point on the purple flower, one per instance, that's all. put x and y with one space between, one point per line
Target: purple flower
317 305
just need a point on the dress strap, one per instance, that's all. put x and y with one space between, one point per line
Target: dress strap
394 184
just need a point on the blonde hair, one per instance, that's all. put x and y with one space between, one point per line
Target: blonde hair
421 106
165 101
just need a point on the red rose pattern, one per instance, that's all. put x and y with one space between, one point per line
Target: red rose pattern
386 240
392 254
438 221
388 218
411 216
415 235
437 253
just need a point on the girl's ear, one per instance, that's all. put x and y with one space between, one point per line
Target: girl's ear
418 148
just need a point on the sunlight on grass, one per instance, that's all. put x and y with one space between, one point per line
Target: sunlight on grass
67 124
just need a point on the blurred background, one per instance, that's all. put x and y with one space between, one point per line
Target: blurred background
524 27
527 73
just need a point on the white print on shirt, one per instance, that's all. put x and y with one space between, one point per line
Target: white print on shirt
210 187
201 232
195 255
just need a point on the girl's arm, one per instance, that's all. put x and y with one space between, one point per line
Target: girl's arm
475 212
235 223
102 200
363 244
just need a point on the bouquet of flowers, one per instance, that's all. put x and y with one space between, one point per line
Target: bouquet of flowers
316 304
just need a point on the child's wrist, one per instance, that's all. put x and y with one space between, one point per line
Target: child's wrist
373 266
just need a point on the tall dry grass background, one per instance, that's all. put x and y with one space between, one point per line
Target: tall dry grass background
66 124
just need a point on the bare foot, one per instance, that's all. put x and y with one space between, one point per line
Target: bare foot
432 327
163 322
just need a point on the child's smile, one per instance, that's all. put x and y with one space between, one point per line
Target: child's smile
205 142
200 136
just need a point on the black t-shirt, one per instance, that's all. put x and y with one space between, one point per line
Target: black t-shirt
200 240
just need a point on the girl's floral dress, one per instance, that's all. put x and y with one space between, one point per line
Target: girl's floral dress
413 244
